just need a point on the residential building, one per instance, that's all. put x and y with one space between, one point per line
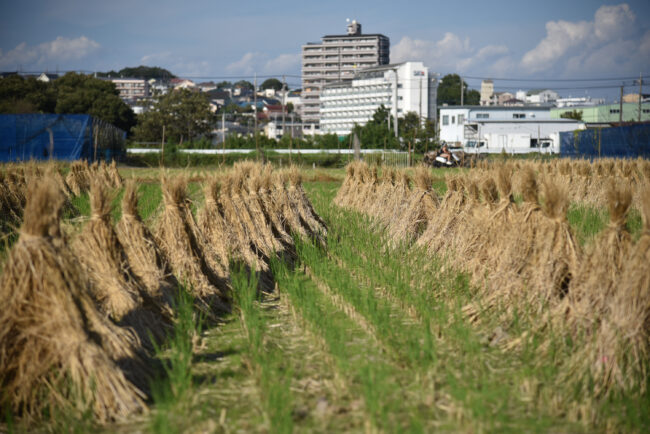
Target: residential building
495 129
182 83
401 88
502 97
607 113
132 89
336 58
47 77
634 97
487 92
578 101
541 96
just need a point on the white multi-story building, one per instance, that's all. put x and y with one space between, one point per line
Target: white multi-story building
336 58
401 88
132 88
496 129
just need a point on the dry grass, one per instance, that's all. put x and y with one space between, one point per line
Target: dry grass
55 347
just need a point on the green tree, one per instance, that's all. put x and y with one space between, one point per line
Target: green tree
272 83
377 133
79 93
289 107
244 84
223 84
449 91
185 115
146 72
573 114
26 95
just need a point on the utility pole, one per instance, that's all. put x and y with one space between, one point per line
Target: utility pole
640 93
257 146
291 139
223 136
396 102
462 93
162 148
620 108
284 94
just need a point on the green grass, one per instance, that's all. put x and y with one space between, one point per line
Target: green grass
357 357
267 362
172 393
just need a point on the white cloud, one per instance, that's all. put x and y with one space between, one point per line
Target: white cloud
561 36
264 65
59 50
608 44
283 63
613 22
451 53
245 65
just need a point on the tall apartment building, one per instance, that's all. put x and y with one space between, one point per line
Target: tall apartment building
401 88
336 58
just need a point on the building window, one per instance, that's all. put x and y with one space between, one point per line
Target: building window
612 111
482 115
399 85
461 119
646 110
453 120
519 116
445 120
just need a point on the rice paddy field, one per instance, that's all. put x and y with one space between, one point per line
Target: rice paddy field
512 296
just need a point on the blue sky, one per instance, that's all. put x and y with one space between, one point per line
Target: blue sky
213 39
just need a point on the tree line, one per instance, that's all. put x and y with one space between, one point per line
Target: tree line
187 120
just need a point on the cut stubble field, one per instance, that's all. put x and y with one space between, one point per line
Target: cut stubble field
361 332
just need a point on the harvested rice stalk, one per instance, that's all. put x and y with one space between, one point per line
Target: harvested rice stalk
281 197
145 258
272 211
176 234
244 248
299 199
211 223
78 178
114 174
397 202
422 206
339 199
53 343
254 232
557 253
442 225
115 287
598 278
254 205
623 344
385 190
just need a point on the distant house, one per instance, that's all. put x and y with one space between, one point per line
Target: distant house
46 77
207 86
182 83
541 96
512 102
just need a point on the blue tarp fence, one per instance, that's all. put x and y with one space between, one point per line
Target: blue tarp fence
61 137
630 141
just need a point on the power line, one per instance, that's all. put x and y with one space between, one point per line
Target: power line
545 80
